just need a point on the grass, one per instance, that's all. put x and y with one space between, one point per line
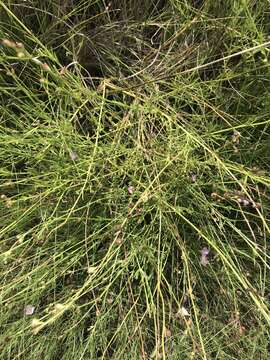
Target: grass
133 136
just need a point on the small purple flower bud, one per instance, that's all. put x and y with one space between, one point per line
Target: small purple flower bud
204 256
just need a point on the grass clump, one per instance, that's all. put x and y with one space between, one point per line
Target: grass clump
134 179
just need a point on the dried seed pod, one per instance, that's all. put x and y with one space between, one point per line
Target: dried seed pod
236 137
214 195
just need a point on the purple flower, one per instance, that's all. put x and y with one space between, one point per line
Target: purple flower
29 310
130 190
204 256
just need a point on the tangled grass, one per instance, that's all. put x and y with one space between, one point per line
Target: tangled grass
134 179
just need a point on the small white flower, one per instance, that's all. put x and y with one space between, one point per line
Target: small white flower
73 155
245 202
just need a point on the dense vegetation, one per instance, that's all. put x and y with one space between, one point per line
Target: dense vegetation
134 179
